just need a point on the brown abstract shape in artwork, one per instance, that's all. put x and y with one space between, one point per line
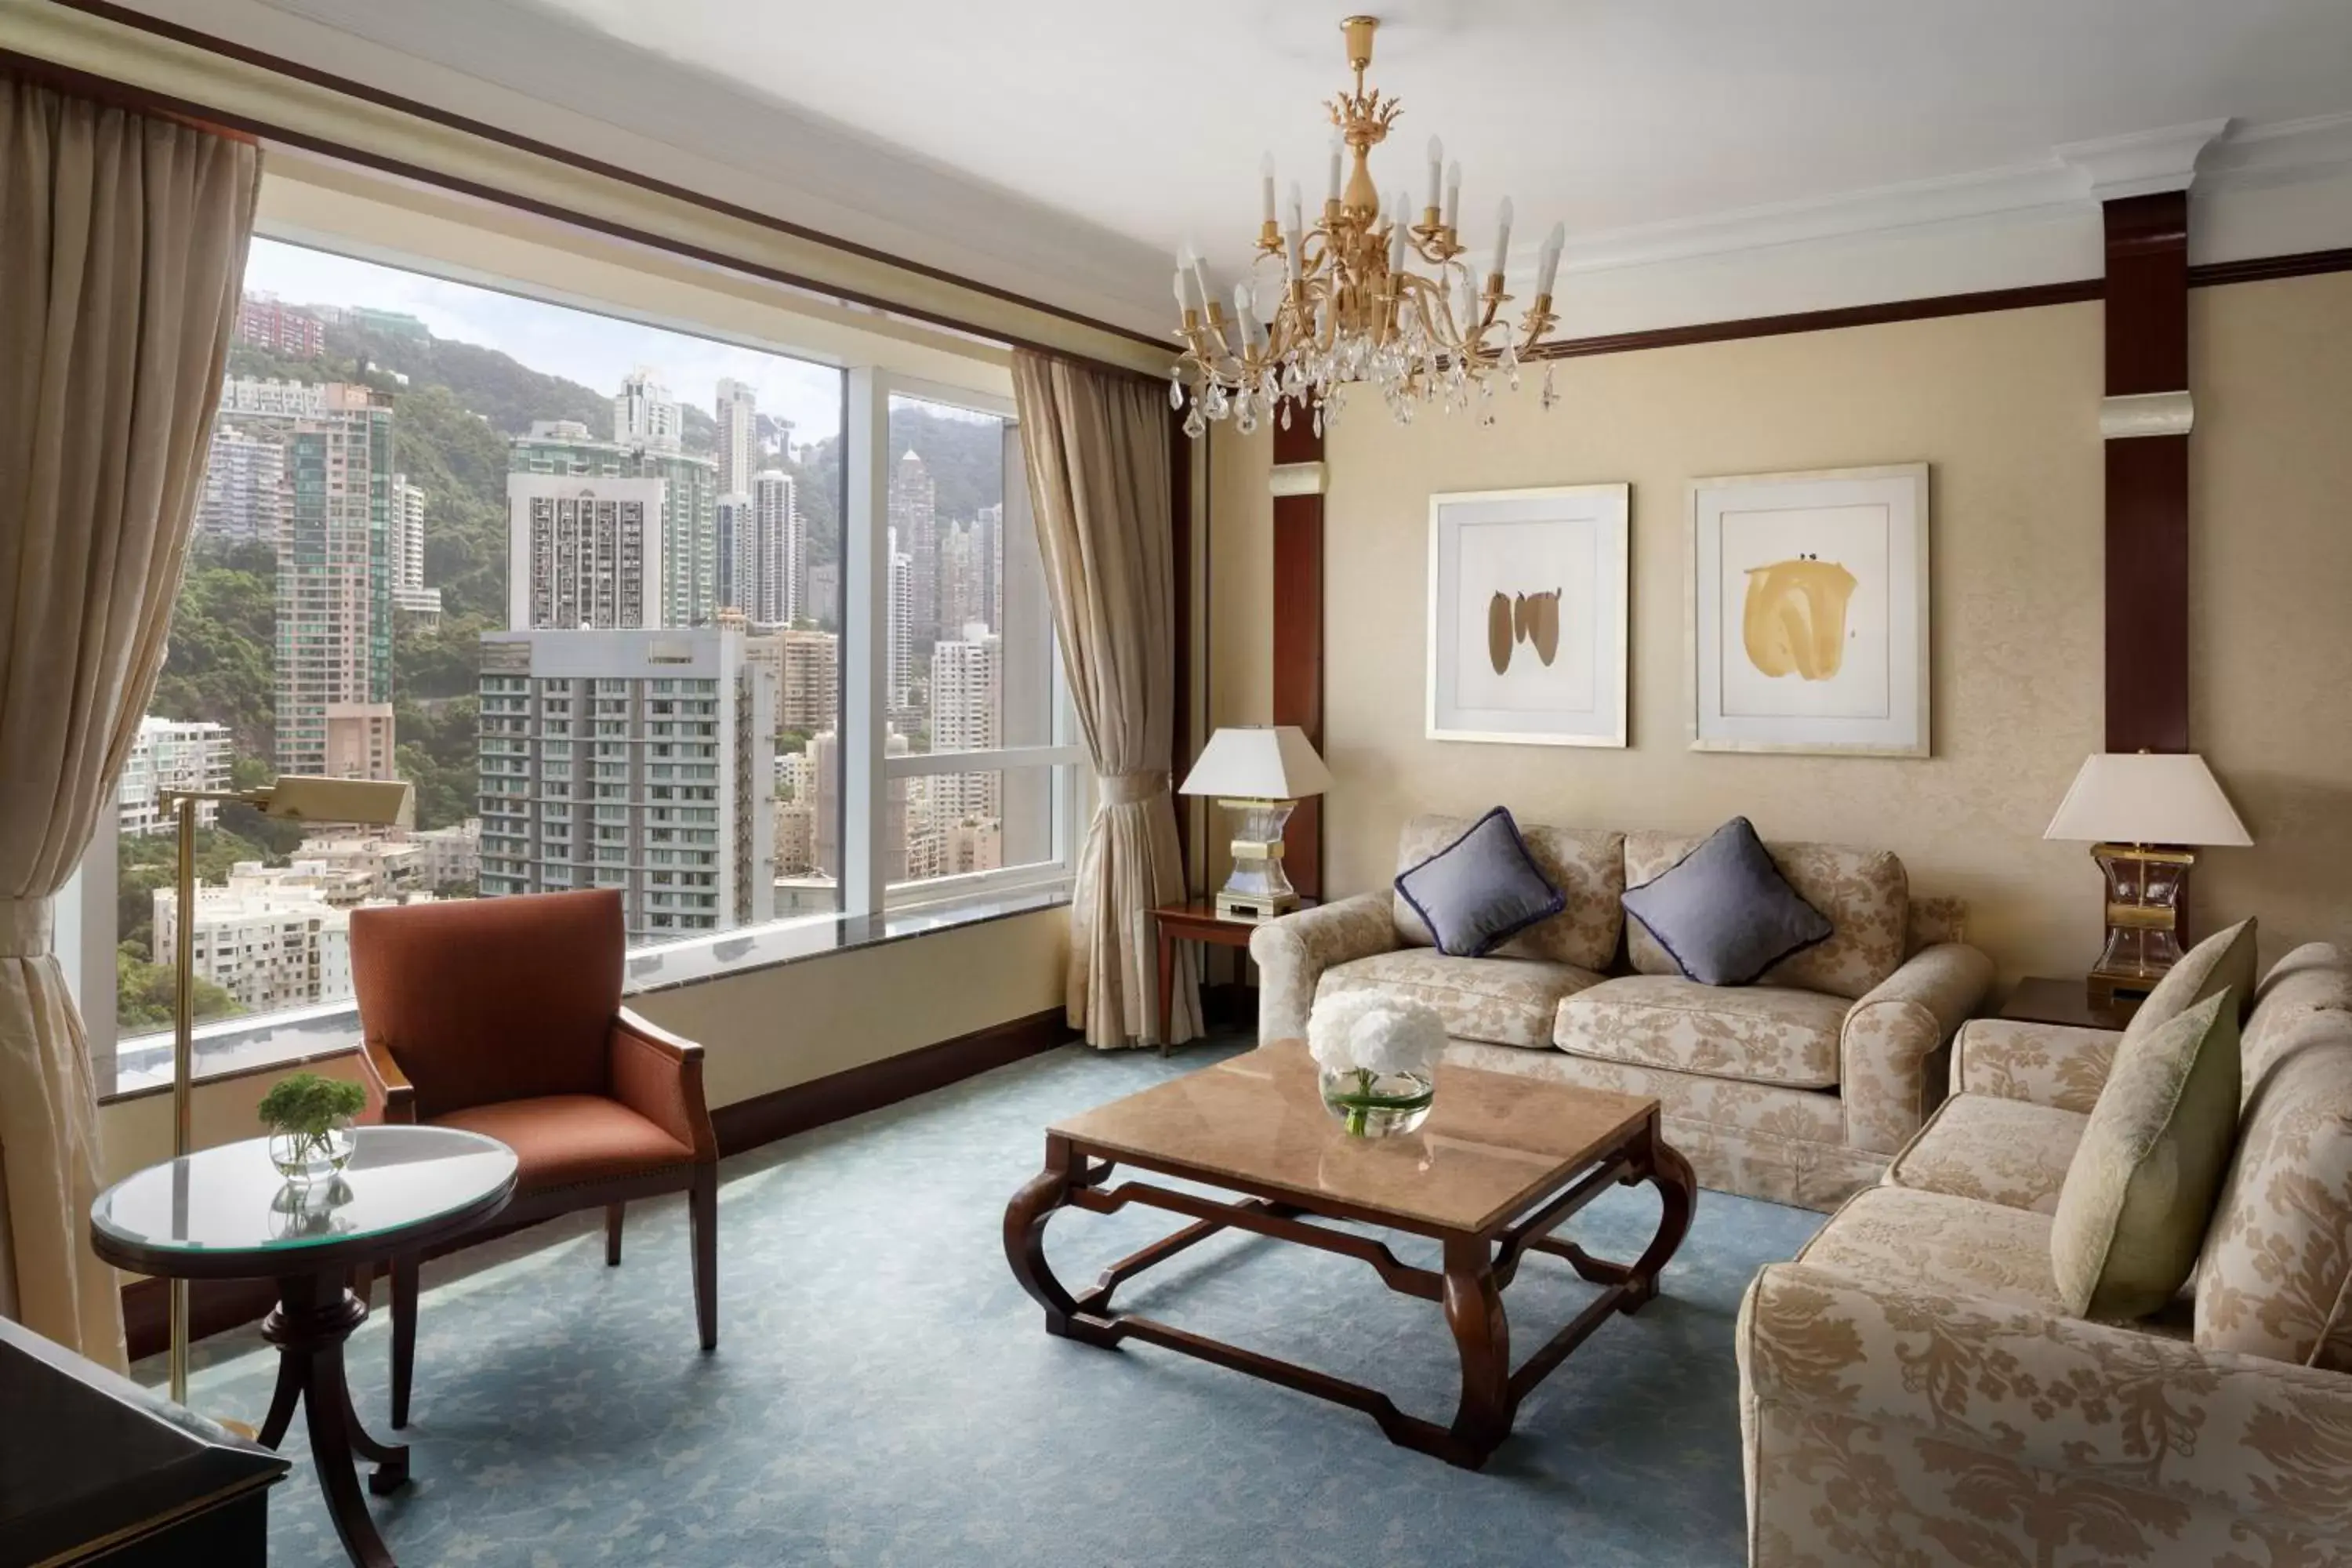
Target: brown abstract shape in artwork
1529 618
1535 617
1794 620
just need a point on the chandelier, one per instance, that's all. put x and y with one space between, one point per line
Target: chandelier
1341 302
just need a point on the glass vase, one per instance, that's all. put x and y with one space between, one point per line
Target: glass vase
1374 1104
308 1156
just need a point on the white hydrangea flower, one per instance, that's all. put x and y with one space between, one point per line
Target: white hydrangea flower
1399 1036
1364 1029
1331 1028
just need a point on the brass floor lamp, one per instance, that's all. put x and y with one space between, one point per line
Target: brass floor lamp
296 797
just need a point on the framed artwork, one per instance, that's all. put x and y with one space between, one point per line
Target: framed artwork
1809 612
1527 616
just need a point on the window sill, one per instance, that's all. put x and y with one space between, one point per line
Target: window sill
235 1048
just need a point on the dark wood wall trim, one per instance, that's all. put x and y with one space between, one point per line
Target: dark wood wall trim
132 96
2262 268
1298 636
2148 477
215 1306
1831 320
1183 742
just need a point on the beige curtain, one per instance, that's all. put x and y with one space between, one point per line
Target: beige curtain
1098 479
123 244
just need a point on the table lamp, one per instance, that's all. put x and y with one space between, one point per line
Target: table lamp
1257 772
2143 813
299 797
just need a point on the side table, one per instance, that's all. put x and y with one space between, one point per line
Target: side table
1196 920
226 1213
2039 999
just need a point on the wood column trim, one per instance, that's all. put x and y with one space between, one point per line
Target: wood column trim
1298 634
2147 477
1183 742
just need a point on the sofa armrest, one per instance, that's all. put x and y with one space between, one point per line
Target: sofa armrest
1942 1418
659 1076
391 1098
1292 953
1888 1071
2047 1064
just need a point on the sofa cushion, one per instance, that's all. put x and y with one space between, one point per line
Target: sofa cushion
1760 1034
1723 912
1901 1235
2313 978
2223 961
564 1140
1481 889
2144 1180
1862 892
2276 1275
1587 865
1995 1151
1507 1001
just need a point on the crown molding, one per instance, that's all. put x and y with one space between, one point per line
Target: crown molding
2141 163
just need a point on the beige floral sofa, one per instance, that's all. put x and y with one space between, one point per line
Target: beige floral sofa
1798 1089
1912 1391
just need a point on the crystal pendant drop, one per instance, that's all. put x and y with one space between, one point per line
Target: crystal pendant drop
1194 423
1176 391
1285 414
1319 424
1549 396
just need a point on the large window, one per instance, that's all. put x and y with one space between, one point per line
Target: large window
582 581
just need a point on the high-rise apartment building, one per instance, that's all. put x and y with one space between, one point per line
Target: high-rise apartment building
966 709
824 765
737 410
643 761
171 753
689 520
779 583
583 553
645 415
736 531
245 493
913 508
269 947
898 669
809 692
267 323
334 580
409 593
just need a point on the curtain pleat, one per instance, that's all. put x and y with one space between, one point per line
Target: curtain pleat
122 242
1096 450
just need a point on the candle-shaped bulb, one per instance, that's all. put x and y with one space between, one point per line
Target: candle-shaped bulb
1265 186
1331 192
1453 192
1436 169
1184 289
1502 235
1294 237
1547 266
1397 234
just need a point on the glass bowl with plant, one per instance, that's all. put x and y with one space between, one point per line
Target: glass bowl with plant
309 1122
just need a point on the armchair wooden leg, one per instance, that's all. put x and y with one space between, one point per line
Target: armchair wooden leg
404 1334
702 1214
612 1213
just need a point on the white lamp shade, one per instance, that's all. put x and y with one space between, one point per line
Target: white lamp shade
2146 798
1258 763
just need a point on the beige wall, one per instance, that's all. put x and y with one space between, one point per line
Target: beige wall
764 1030
2270 481
2004 408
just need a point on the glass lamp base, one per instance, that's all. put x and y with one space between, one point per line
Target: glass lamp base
1257 888
2144 888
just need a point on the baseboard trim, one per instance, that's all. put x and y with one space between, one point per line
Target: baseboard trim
217 1306
747 1123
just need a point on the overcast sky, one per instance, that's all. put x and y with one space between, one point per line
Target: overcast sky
595 350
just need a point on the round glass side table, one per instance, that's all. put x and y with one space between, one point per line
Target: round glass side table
227 1214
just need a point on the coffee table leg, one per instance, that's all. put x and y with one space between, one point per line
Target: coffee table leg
314 1317
1025 1234
1677 1195
1473 1310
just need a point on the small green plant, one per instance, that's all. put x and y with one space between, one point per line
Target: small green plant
306 1108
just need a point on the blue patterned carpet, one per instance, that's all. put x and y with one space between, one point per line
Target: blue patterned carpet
884 1393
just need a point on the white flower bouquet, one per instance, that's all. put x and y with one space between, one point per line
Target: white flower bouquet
1377 1058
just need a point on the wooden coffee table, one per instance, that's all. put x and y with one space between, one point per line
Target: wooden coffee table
1500 1163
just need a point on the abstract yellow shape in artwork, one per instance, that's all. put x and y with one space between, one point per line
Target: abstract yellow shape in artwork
1528 618
1794 621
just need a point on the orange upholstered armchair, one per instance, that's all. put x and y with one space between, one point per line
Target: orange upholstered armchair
504 1016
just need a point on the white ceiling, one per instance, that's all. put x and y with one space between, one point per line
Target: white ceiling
1066 146
1150 120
